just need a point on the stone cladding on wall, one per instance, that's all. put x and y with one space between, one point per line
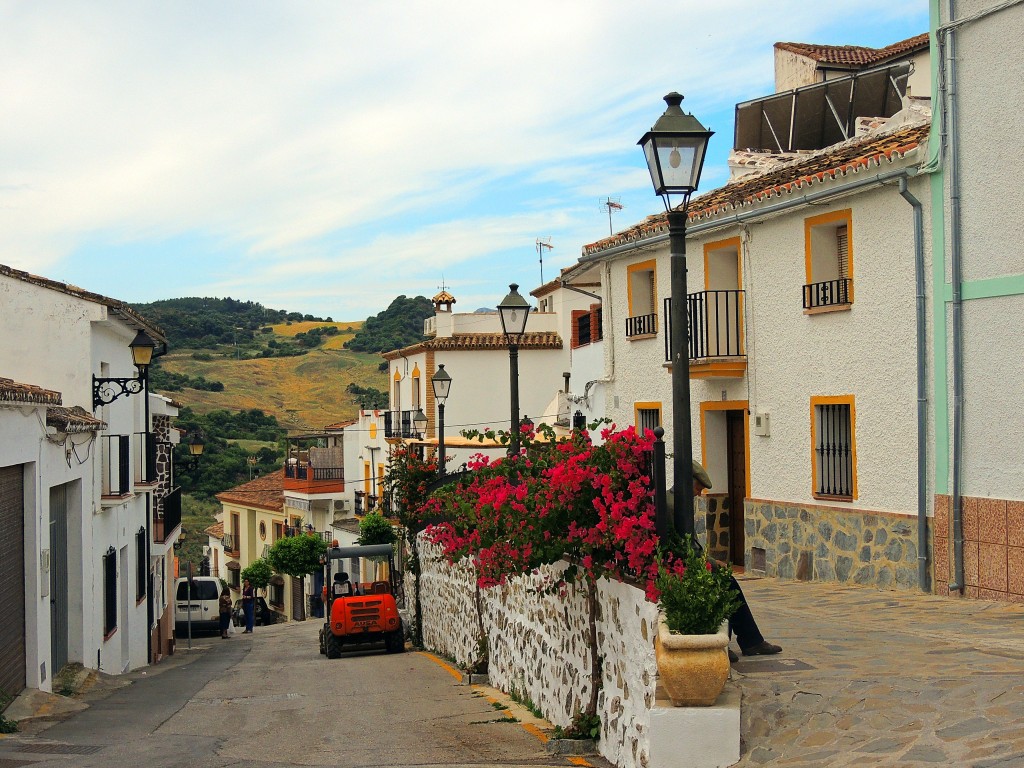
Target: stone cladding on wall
993 532
810 542
164 457
538 643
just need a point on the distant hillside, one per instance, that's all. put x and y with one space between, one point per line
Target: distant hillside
197 322
400 325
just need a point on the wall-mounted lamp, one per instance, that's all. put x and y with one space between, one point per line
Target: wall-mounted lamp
107 390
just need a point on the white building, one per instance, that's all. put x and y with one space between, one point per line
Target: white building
87 508
803 351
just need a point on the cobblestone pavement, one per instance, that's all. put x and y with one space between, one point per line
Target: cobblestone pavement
870 678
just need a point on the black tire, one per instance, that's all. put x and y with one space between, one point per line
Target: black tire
394 642
323 646
333 646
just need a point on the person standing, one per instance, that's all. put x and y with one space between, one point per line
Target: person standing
741 623
248 605
224 604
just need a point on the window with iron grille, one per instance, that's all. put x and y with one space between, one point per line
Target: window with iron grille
828 261
141 564
582 329
648 416
109 591
236 578
835 454
276 592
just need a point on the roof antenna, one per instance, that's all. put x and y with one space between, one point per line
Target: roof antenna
541 245
612 204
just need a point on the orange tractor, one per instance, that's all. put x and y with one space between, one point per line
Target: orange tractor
359 614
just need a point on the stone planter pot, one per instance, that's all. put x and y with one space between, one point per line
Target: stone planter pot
693 669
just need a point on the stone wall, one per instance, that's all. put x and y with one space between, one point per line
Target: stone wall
539 642
810 542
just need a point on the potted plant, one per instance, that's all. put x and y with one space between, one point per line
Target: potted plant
696 600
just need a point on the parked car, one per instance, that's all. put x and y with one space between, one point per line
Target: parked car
264 616
201 600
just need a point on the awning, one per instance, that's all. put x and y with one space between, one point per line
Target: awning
820 115
233 566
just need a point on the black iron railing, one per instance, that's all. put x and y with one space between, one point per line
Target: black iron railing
716 325
834 450
642 325
399 424
147 446
306 472
827 294
117 468
171 518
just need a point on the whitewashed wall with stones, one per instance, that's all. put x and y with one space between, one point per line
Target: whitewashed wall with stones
539 645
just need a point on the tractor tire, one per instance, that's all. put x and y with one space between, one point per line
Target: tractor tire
394 642
333 646
323 645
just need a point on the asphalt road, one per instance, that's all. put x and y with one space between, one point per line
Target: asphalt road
270 699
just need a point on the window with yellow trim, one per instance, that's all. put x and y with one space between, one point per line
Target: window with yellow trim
648 416
834 448
416 388
366 478
643 290
380 481
828 260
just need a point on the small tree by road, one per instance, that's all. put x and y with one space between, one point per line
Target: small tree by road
259 573
297 556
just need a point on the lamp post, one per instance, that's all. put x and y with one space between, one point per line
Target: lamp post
513 312
419 422
675 149
107 390
196 446
442 384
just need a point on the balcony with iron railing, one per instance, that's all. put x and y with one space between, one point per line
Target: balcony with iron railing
303 477
168 520
400 424
146 447
116 461
834 294
642 326
716 347
231 545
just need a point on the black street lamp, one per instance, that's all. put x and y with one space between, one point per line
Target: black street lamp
196 446
419 422
442 384
514 311
107 390
675 149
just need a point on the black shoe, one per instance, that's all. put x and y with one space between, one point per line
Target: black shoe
764 648
733 656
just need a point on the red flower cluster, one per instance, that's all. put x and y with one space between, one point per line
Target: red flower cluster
592 503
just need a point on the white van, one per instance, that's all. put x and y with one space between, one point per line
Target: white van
205 609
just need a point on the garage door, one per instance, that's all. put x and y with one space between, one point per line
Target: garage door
12 580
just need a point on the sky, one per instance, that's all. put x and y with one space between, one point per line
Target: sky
326 157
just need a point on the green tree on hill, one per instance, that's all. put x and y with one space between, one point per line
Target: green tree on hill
400 325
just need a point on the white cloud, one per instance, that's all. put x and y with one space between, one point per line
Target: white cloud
279 130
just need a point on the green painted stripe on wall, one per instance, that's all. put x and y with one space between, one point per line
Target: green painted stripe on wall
1009 285
940 387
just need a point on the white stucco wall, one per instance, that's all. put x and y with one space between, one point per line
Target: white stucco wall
993 352
539 646
58 342
868 351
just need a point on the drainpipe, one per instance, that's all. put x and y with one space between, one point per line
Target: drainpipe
952 143
922 400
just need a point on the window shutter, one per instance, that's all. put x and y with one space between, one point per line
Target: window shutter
843 251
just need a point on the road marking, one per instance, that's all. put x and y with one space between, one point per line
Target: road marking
443 664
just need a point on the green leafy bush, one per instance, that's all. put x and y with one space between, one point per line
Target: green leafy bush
698 599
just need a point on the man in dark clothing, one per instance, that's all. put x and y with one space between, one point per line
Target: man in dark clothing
742 623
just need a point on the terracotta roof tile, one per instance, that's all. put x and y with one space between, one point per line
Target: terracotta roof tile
118 306
476 341
341 424
216 530
265 492
856 55
73 419
832 163
14 392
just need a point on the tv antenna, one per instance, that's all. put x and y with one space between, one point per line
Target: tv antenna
541 245
614 205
